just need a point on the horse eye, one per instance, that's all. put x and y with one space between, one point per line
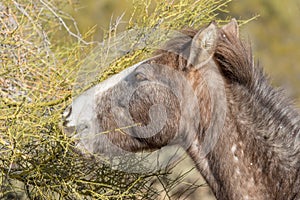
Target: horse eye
140 76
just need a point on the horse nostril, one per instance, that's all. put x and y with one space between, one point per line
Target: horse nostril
65 122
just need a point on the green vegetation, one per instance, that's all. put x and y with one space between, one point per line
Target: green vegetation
42 49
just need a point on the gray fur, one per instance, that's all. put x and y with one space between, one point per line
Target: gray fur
205 93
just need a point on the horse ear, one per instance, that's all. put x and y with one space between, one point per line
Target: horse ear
232 28
203 46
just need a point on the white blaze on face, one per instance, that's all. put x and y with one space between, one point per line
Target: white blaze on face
83 113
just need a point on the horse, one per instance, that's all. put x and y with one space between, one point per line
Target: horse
201 91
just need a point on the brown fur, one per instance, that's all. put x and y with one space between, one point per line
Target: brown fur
257 153
260 122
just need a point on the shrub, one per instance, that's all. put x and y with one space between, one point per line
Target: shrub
41 52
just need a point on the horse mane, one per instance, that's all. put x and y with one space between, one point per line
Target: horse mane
236 60
248 80
236 64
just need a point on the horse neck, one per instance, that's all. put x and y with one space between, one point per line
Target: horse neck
257 156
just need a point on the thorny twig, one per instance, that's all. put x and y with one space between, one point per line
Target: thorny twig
77 36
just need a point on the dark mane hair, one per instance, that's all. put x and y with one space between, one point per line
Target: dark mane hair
276 111
235 57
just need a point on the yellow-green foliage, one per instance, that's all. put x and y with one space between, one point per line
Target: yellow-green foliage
41 51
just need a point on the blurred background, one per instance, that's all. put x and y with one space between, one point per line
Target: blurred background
274 34
275 38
